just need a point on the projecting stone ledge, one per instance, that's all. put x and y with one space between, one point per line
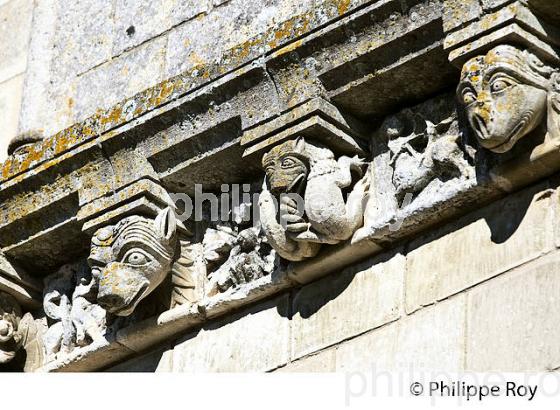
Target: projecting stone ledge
356 120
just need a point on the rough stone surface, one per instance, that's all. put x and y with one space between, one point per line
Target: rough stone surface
41 109
15 29
137 21
245 29
84 36
513 321
504 235
493 4
154 362
10 102
127 74
459 12
352 302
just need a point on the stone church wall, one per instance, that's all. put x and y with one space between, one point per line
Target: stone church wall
390 170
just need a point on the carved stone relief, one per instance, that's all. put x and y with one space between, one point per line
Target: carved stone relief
69 303
10 338
426 153
21 337
333 200
131 259
421 159
507 94
235 256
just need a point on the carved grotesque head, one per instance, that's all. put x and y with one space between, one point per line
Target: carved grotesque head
10 339
505 95
130 259
286 167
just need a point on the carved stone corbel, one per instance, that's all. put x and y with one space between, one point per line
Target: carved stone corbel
312 193
130 259
508 93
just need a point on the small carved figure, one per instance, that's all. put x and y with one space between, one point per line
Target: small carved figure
428 152
131 259
57 296
10 337
88 318
333 208
507 94
68 303
235 258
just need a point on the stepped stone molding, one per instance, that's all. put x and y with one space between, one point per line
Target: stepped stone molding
356 137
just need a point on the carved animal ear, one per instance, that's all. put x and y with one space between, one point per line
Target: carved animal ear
166 224
299 145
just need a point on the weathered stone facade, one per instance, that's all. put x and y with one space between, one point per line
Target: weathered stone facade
385 176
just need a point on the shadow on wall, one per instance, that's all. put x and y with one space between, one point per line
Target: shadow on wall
311 298
148 363
503 219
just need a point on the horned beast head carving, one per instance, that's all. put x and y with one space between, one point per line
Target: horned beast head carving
507 94
132 258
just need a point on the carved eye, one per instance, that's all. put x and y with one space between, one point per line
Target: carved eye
469 97
135 258
288 163
499 85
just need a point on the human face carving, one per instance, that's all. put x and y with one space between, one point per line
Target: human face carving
285 169
502 96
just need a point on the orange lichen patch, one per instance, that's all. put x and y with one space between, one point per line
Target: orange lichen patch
343 6
166 91
113 117
159 94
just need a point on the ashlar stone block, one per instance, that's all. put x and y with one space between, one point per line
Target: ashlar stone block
431 339
254 340
83 39
342 306
15 29
139 21
479 246
10 102
322 362
513 320
122 77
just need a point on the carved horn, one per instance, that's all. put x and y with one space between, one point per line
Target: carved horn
166 224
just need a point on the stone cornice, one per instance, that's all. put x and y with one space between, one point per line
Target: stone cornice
316 112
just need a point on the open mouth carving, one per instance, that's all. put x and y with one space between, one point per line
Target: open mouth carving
514 134
124 310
